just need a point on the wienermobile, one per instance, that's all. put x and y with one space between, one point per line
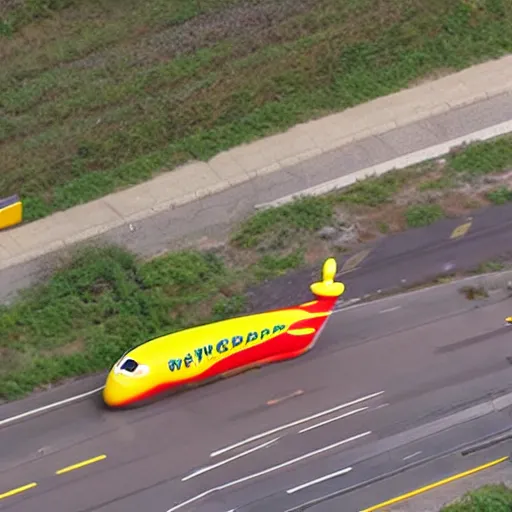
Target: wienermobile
222 348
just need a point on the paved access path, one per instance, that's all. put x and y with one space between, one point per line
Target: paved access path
202 200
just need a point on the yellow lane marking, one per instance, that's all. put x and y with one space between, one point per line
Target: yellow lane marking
17 490
354 261
293 395
80 465
421 490
460 230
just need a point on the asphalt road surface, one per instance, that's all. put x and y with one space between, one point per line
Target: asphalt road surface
405 259
389 383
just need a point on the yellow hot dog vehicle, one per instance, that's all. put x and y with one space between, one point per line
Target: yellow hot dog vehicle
216 349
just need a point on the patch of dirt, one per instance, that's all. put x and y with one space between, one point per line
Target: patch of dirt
503 178
473 293
411 195
436 173
455 202
6 358
240 257
431 77
201 310
252 22
374 223
7 6
317 250
75 347
458 203
210 244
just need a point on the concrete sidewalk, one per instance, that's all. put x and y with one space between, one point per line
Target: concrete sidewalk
202 200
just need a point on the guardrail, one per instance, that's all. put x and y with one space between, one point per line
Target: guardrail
11 212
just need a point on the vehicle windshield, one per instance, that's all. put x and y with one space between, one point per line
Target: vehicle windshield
129 365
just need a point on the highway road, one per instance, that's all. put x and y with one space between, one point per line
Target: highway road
390 383
452 245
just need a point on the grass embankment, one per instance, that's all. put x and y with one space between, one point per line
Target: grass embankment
489 498
105 301
95 96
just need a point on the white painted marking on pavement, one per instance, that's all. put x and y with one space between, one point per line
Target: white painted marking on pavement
227 461
276 401
266 471
294 424
48 407
405 296
389 310
326 422
415 454
343 304
401 162
319 480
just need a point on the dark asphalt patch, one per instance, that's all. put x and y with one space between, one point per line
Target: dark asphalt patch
473 340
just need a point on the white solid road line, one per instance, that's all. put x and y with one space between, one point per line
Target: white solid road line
406 295
336 418
48 407
294 424
227 461
319 480
415 454
389 310
266 471
400 162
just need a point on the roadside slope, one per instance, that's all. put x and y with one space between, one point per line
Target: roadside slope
97 97
147 220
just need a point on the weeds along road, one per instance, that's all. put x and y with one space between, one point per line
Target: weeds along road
26 259
400 261
385 381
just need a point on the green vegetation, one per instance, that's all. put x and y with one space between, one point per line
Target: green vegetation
489 498
271 266
476 161
276 227
19 14
499 196
101 305
421 215
490 266
95 96
444 183
484 158
105 302
375 191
